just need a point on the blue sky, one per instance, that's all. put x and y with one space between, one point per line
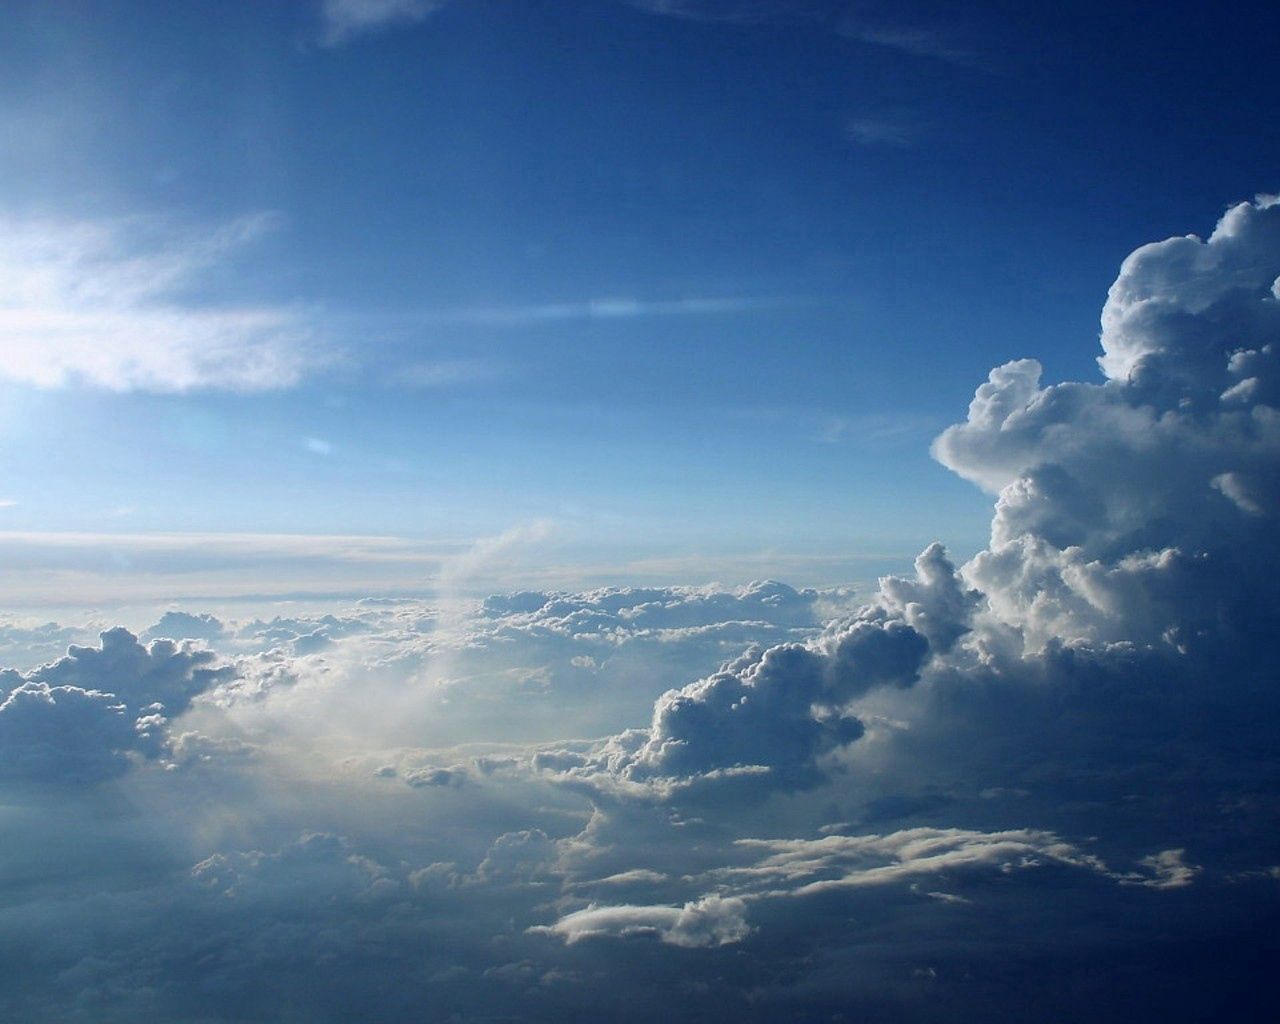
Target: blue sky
686 282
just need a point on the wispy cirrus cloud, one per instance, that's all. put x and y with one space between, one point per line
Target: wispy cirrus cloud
345 20
101 303
861 23
611 308
742 12
893 132
913 40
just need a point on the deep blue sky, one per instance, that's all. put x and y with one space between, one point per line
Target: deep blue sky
808 230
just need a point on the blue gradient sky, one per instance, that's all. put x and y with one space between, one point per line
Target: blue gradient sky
694 288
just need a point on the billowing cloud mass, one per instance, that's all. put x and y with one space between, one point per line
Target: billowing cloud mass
1143 509
1044 778
78 718
107 304
769 715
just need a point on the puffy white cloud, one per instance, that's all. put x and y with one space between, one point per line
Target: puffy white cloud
1199 315
710 921
1143 509
768 717
177 625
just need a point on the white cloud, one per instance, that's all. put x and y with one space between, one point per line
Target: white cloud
710 921
102 304
768 718
1141 510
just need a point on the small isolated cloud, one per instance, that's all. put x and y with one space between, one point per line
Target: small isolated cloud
344 20
317 446
7 503
100 303
880 131
711 921
176 625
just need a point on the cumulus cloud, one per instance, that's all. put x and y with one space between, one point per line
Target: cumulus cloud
162 672
178 625
79 718
769 716
106 304
26 643
1141 509
711 921
63 734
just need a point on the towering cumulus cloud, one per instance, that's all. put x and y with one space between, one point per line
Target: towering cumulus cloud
1137 513
1104 668
1041 785
1143 509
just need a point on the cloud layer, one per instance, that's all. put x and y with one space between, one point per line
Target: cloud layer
1045 777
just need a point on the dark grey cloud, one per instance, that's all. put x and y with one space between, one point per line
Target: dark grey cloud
78 719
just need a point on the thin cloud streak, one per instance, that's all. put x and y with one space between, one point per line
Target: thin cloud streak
859 26
599 309
345 20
